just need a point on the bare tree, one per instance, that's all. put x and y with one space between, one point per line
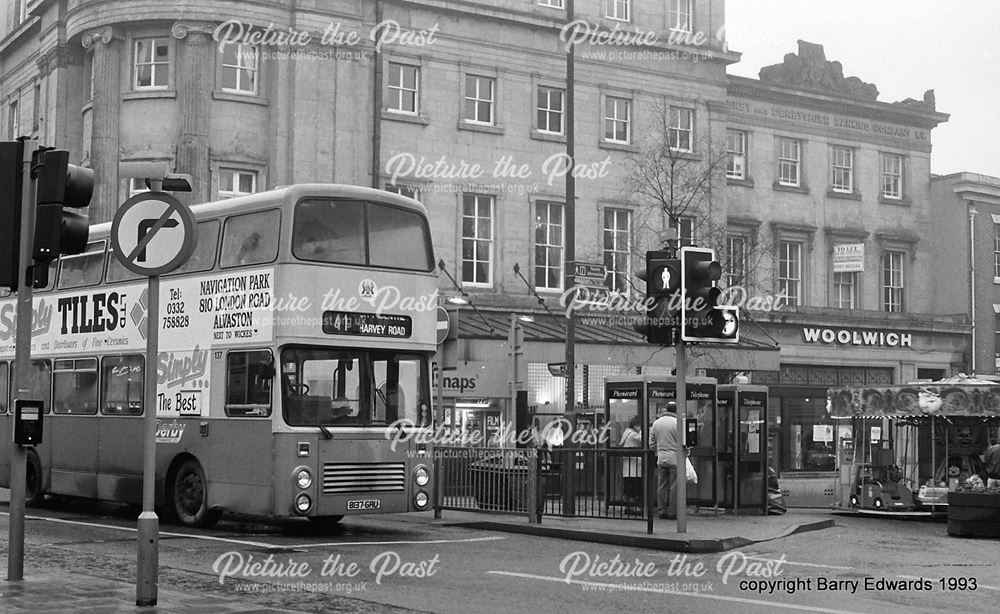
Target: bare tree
682 185
675 177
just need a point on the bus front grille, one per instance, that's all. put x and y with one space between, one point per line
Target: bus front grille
339 478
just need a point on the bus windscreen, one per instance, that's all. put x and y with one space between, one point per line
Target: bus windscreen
341 231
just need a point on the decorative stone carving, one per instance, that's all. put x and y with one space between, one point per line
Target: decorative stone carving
104 35
181 29
811 70
928 103
44 64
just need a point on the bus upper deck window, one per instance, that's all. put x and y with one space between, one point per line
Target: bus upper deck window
205 249
398 239
251 238
330 231
84 269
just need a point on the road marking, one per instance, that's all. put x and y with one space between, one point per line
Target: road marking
245 542
782 561
663 591
978 585
242 542
401 543
787 562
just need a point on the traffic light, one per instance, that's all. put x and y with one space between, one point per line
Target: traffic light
58 185
663 283
10 212
701 318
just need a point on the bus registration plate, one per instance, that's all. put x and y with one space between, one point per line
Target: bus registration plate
364 504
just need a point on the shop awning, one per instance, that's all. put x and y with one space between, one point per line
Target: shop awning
596 329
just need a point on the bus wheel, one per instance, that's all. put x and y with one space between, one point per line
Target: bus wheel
189 496
33 493
326 523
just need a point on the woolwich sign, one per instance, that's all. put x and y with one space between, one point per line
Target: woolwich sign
853 336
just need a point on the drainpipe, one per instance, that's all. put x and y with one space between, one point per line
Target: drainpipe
377 109
972 282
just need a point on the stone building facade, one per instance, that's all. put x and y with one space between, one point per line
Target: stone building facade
831 188
464 106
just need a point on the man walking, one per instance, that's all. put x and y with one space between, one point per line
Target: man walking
663 438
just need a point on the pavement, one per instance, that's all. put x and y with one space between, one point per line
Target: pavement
705 531
76 591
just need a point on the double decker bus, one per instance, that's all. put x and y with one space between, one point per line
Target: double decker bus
293 363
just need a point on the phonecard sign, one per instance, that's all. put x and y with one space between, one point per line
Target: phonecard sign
367 324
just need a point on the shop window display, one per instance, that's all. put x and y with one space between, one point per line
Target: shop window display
808 434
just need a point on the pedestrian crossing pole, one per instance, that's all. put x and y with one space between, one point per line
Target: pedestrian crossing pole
681 473
22 365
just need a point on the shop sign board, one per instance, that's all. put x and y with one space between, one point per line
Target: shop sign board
849 258
479 379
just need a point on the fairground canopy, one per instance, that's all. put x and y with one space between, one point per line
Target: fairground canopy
961 395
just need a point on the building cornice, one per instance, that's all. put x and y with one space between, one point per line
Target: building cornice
745 87
849 234
779 228
828 317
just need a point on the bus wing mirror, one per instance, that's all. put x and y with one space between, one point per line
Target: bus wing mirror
267 370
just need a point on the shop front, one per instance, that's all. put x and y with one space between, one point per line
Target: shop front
478 391
476 396
815 357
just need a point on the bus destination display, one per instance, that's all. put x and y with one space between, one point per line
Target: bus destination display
367 324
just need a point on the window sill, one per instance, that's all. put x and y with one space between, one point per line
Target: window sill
899 202
797 189
844 195
682 154
403 117
616 146
487 128
547 136
148 95
745 182
234 97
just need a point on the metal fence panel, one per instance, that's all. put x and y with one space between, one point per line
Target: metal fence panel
582 482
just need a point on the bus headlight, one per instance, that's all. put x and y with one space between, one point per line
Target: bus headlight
303 503
421 476
303 478
420 499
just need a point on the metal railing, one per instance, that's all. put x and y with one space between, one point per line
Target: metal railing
486 479
602 483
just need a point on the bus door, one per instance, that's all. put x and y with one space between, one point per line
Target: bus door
75 427
122 433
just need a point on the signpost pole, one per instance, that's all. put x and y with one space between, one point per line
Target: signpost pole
152 234
148 527
438 423
22 368
681 473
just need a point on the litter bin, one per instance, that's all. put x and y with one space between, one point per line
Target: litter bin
500 482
